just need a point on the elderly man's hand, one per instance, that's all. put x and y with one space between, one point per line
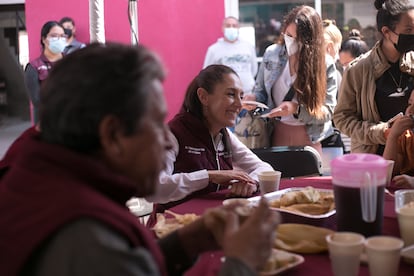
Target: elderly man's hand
249 240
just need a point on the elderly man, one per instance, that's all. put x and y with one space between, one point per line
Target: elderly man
235 53
102 141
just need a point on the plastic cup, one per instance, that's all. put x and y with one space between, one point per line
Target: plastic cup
404 207
383 255
345 249
269 181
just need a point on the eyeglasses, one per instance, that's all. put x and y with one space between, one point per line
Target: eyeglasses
327 22
57 36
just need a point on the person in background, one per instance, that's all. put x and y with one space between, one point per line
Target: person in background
231 51
371 95
103 140
53 42
333 40
206 156
400 147
352 48
70 30
298 61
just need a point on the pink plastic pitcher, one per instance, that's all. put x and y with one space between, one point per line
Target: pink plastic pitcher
359 180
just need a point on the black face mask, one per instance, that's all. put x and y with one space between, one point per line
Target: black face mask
68 32
405 43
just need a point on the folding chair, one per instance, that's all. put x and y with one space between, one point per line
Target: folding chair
292 161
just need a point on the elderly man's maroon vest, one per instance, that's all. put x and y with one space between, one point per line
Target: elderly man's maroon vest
45 187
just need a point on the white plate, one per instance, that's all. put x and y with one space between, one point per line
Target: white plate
277 194
262 105
298 259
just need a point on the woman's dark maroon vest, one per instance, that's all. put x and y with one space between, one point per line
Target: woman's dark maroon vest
197 151
42 66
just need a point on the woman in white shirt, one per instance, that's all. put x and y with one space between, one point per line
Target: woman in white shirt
206 156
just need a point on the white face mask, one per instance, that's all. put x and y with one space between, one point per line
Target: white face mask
231 34
57 45
291 45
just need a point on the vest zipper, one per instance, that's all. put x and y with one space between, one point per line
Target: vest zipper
217 160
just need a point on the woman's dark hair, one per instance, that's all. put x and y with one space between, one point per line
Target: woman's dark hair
46 29
354 44
93 82
67 19
389 12
311 81
208 78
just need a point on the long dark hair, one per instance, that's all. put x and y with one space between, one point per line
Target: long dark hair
310 83
208 78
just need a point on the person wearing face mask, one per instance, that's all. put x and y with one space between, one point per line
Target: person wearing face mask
53 42
235 53
70 30
333 40
298 83
376 86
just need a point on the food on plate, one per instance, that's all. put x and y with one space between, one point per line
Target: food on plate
308 201
301 238
165 225
278 260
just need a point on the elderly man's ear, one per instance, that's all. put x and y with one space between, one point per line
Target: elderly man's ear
111 132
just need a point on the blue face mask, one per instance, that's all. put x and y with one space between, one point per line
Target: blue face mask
231 34
57 44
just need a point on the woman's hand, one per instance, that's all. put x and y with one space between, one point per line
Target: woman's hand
400 125
228 177
241 183
284 109
404 181
243 189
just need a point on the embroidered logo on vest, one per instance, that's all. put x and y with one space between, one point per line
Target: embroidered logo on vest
194 150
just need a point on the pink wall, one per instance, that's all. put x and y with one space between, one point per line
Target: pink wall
178 30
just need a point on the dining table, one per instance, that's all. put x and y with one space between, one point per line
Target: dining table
315 264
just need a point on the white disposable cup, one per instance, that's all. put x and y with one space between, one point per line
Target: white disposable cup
383 254
345 249
404 207
269 181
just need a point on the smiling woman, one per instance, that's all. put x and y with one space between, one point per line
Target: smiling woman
206 156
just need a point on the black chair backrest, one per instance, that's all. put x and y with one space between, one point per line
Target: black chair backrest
292 161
